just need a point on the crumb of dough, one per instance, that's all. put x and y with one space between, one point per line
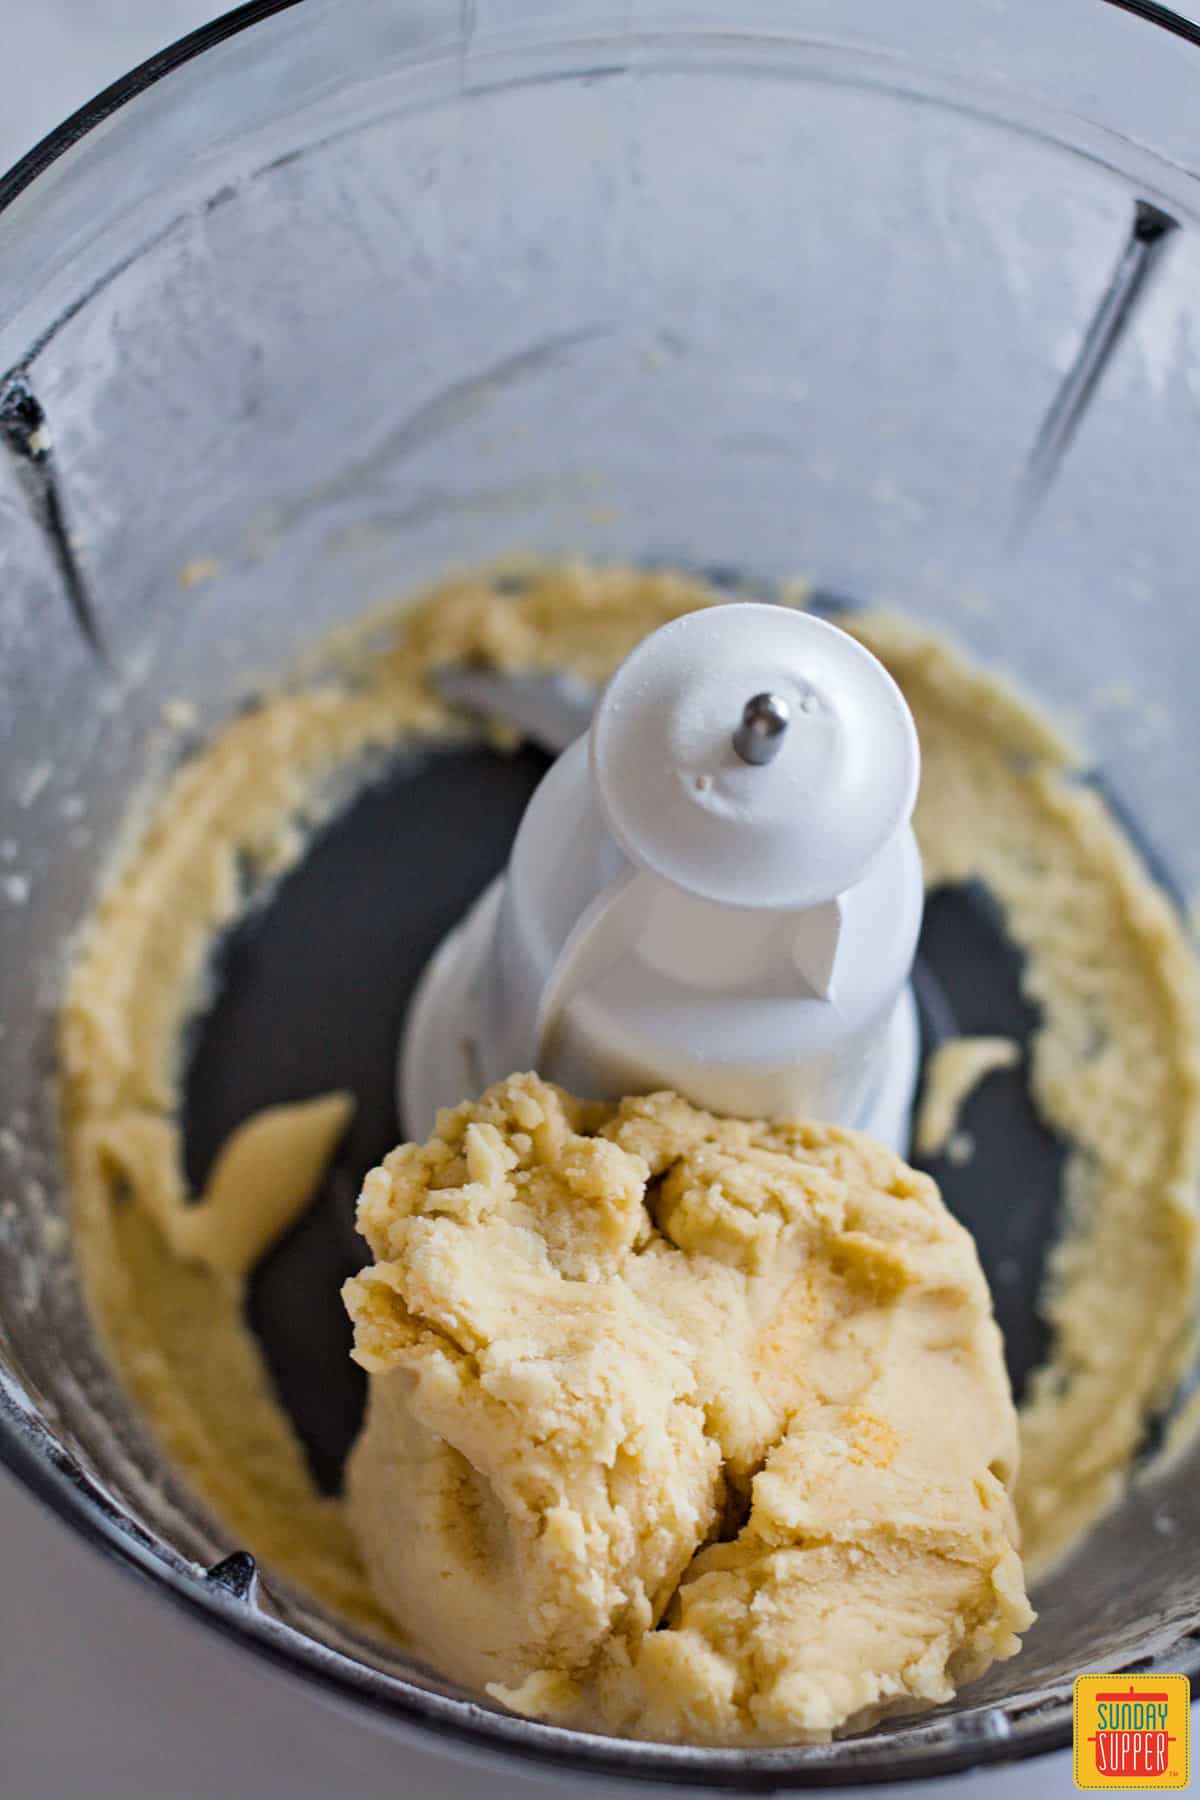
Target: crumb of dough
960 1149
200 568
953 1072
179 714
681 1427
33 783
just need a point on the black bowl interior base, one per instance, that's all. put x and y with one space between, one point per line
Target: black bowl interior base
311 993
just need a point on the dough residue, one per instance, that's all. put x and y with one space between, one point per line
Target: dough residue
952 1072
235 818
1114 1067
681 1427
1114 1063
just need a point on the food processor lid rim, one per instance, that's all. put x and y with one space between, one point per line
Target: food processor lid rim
174 55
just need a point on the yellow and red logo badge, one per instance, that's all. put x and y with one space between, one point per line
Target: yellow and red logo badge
1131 1731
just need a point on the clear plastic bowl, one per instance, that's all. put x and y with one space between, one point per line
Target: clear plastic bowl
905 299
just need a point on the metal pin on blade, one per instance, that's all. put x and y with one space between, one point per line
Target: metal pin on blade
759 737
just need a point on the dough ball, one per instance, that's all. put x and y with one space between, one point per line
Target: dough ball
680 1427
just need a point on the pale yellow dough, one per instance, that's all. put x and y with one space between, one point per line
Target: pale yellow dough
166 1294
952 1072
1113 1066
642 1367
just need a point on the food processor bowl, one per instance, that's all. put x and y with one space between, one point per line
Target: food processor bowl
901 301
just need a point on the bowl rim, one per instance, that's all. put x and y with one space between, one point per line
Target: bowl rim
45 1468
230 24
470 1730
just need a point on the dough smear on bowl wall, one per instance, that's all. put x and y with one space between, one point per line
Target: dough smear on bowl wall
667 1411
698 624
